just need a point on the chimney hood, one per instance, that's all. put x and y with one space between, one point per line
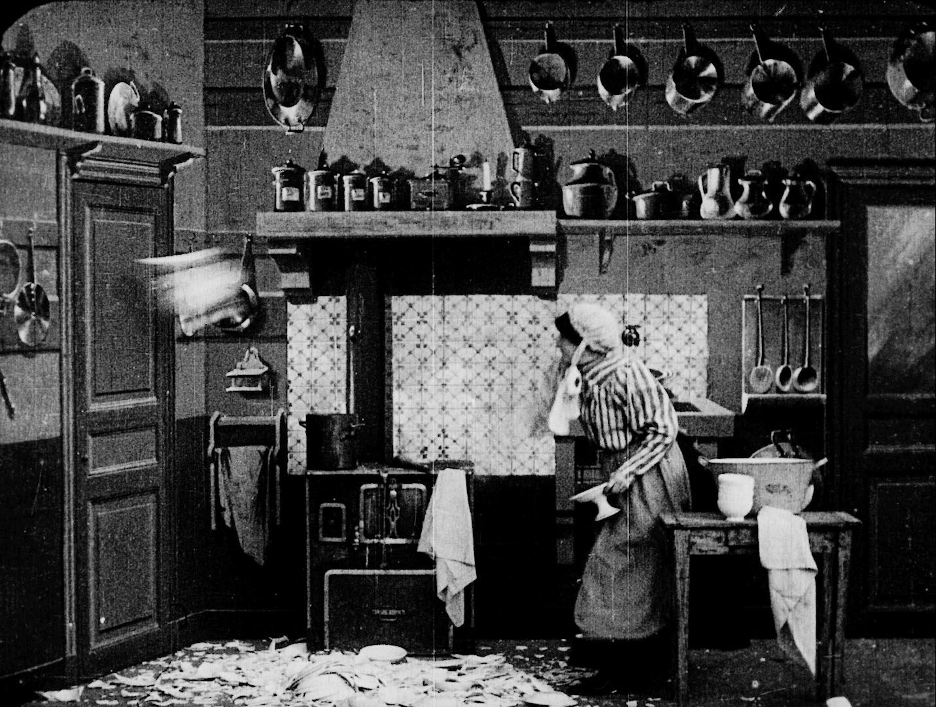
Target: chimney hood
416 87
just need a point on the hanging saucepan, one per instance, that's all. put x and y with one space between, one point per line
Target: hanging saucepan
553 70
773 78
834 83
911 70
32 313
9 274
293 78
623 73
245 311
695 78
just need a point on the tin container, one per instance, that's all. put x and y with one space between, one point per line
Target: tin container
381 192
355 191
430 193
289 181
88 102
146 124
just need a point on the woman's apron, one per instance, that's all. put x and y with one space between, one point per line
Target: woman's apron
625 592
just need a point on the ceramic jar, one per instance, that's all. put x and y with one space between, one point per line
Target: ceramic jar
355 190
322 187
715 187
797 199
88 102
289 182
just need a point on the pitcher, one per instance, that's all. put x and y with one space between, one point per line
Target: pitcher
753 202
715 187
796 202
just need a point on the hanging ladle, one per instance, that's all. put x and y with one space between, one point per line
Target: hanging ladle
806 378
762 376
784 376
32 311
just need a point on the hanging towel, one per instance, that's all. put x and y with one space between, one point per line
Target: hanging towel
783 543
247 496
448 538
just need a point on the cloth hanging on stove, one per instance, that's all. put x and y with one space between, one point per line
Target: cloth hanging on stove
447 536
247 496
783 543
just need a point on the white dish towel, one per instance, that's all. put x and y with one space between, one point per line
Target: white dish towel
783 543
448 538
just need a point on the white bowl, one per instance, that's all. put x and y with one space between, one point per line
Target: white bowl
383 652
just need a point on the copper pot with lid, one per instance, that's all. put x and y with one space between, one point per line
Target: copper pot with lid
592 191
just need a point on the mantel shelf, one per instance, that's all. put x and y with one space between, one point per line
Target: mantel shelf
289 233
101 146
771 402
684 227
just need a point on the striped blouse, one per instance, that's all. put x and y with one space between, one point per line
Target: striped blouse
624 407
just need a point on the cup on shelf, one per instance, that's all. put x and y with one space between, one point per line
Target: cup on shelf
735 495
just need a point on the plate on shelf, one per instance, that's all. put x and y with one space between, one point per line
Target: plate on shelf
124 98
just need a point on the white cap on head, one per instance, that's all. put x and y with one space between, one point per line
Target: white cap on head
600 329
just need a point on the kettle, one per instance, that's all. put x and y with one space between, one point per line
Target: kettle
592 191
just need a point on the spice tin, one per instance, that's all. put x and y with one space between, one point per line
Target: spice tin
355 191
289 183
381 192
322 191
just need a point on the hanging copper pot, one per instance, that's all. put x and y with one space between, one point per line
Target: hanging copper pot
773 78
695 78
293 78
911 70
552 70
834 83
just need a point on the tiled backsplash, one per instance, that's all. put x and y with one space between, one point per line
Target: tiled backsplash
472 376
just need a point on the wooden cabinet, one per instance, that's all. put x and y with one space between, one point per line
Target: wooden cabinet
882 418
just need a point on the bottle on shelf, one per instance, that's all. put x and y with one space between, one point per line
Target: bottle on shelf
31 104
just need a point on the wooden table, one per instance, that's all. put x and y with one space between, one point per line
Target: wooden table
830 539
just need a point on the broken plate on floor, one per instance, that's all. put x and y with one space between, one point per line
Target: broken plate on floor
549 698
597 496
383 652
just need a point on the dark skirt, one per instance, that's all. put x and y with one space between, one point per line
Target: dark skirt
626 587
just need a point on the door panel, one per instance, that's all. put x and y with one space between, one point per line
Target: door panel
883 410
123 387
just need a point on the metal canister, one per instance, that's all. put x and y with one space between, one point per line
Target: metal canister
88 102
355 190
289 181
323 191
381 192
146 124
7 86
172 124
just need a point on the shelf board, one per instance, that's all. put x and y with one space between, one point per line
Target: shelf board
685 227
101 146
754 402
396 224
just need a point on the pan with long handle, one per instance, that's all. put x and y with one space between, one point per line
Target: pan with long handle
32 312
762 376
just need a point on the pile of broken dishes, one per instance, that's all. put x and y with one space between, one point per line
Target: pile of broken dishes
226 673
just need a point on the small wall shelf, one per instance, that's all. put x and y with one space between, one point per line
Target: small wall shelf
685 227
104 147
757 402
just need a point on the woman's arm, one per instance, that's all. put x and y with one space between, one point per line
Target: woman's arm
651 417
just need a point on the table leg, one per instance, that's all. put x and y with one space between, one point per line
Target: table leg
824 640
843 557
681 609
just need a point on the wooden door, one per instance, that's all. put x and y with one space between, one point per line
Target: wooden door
122 390
881 422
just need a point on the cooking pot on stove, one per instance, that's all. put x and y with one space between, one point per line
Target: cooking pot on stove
331 441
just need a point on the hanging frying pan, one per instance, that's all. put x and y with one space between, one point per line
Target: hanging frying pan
834 83
293 78
911 70
553 70
32 313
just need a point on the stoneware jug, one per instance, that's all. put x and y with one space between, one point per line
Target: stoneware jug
753 202
592 191
796 202
715 187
